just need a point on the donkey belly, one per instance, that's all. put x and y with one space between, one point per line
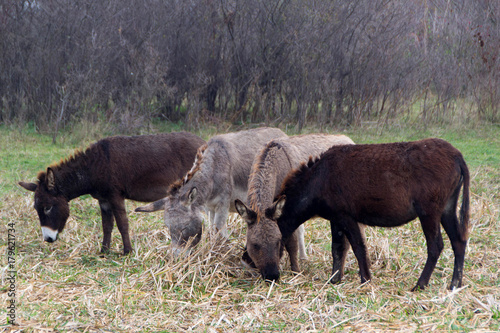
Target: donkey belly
386 221
146 189
148 195
388 217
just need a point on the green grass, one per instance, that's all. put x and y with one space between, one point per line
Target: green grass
69 286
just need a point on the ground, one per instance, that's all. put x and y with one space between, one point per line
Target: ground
69 286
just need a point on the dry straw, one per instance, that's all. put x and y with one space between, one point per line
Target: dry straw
67 286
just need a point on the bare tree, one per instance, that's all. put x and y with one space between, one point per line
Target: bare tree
340 62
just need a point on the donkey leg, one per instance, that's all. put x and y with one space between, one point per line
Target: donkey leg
122 223
107 224
355 235
220 220
340 246
450 224
292 247
302 245
432 232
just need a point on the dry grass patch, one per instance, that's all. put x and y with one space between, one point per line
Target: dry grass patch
68 286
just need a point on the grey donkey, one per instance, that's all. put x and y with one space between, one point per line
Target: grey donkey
218 177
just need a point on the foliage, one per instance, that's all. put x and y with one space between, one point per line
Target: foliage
298 62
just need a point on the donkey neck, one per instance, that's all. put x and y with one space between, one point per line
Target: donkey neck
212 167
73 176
302 204
267 175
302 212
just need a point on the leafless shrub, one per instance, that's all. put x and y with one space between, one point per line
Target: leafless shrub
340 62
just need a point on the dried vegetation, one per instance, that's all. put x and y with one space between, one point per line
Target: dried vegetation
67 286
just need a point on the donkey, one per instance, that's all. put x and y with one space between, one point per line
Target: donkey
269 169
218 177
138 168
385 185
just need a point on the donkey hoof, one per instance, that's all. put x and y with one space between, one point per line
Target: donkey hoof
418 288
455 285
335 280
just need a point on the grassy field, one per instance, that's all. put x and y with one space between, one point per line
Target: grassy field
67 286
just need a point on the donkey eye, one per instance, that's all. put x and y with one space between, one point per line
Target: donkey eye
256 247
47 210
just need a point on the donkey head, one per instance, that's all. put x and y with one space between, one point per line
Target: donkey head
264 243
52 207
183 217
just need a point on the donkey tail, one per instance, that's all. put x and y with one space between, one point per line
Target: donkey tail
464 210
152 207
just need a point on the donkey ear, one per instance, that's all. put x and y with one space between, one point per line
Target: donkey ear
153 207
246 213
51 180
29 186
276 210
192 195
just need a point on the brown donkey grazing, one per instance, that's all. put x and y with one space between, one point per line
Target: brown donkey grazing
138 168
218 177
269 169
385 185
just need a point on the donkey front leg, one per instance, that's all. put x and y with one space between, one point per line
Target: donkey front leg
120 214
292 247
355 234
107 224
220 219
302 245
340 246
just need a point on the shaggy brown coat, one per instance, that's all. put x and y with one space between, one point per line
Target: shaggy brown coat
384 185
139 168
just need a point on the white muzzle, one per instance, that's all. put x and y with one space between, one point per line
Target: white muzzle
49 235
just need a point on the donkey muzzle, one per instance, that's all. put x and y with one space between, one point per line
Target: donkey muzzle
271 272
49 235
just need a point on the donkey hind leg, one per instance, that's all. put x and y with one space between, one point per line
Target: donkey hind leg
122 223
340 246
108 221
355 235
302 245
450 224
434 240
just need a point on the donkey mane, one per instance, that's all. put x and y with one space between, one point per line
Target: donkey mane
295 177
196 167
261 161
75 158
259 179
66 169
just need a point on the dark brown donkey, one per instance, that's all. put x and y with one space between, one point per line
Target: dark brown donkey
138 168
384 185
